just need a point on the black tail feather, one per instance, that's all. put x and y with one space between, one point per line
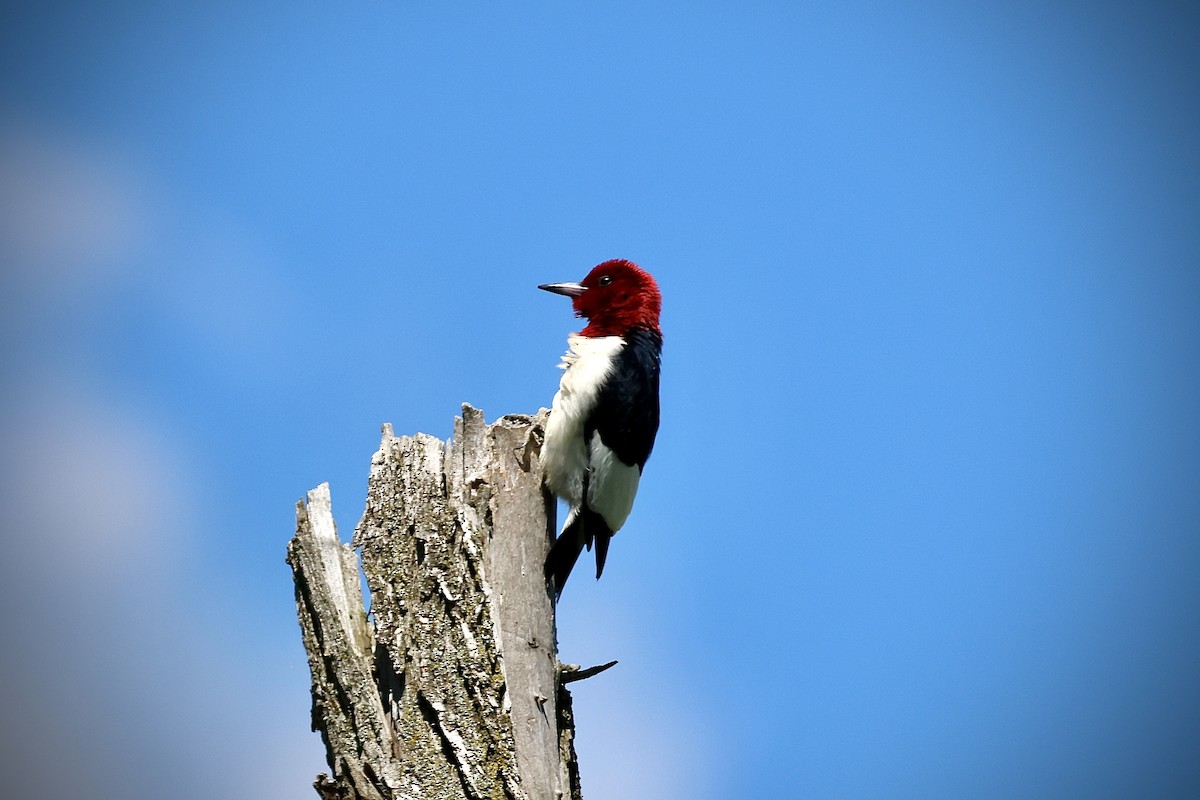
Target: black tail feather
586 526
602 540
563 555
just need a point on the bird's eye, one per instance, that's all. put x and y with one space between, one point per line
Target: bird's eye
605 280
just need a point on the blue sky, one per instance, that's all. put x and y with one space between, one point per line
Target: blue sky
923 519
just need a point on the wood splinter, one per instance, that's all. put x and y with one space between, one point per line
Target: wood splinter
569 673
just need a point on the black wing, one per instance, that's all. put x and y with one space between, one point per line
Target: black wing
626 410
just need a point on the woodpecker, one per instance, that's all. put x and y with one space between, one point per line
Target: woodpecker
605 414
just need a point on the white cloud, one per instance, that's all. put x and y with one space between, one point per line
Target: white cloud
130 678
78 218
95 489
71 215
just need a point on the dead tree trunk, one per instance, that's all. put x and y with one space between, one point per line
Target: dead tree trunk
455 691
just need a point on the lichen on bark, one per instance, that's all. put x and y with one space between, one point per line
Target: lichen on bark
454 690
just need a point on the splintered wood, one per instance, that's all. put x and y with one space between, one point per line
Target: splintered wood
454 692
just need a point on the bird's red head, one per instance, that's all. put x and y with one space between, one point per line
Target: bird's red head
615 297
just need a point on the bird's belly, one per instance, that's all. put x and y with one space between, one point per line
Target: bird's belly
612 486
564 455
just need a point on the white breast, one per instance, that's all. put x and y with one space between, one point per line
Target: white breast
588 363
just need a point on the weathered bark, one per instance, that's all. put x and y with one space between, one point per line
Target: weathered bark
455 691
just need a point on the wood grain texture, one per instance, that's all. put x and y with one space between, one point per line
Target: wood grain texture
454 691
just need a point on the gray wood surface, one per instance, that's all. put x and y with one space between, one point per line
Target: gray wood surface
454 691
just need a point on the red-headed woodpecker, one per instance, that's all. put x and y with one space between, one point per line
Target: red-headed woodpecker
605 415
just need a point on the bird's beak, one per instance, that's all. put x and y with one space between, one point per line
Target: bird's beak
569 289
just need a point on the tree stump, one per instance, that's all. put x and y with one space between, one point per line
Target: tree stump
455 690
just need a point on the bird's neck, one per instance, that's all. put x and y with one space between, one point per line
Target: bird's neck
598 326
